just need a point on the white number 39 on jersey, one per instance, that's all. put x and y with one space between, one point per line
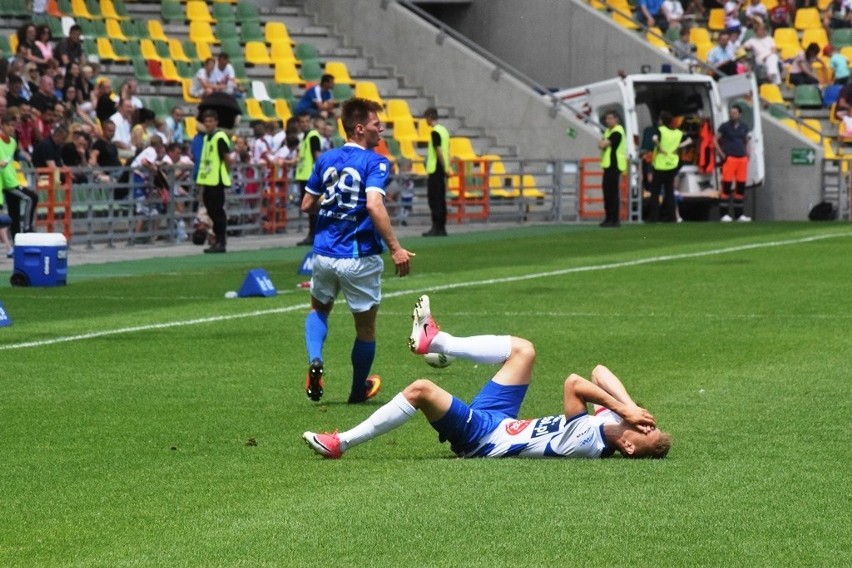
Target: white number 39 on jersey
342 187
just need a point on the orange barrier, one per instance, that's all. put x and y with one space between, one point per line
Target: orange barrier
470 185
275 200
591 190
54 188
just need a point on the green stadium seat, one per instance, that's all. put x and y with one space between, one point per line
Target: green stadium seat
247 12
342 91
223 12
232 47
306 51
190 50
807 96
841 37
94 8
172 11
140 70
251 31
311 70
227 30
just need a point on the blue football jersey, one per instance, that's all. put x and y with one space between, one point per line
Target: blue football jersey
342 177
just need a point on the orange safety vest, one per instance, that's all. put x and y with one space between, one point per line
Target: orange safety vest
707 149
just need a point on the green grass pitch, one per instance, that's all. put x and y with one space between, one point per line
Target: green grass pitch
145 420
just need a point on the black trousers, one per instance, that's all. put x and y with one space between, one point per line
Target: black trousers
312 219
15 198
611 193
214 200
436 193
663 180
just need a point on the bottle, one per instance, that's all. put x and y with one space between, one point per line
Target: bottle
181 231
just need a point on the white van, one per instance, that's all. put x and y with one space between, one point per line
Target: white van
698 102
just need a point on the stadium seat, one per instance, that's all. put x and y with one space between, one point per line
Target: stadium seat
625 22
156 31
140 70
282 110
197 11
811 129
699 35
203 50
171 11
771 93
80 10
368 90
155 70
305 51
251 31
398 109
841 37
222 12
177 52
276 31
408 150
830 95
187 97
807 18
114 9
186 70
716 19
259 91
654 36
94 8
191 126
282 51
702 50
311 70
815 35
114 31
807 96
339 71
227 31
170 72
462 148
202 32
255 111
286 72
247 11
786 36
257 54
424 131
404 129
342 91
106 51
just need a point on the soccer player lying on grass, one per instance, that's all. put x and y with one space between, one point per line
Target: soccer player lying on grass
489 426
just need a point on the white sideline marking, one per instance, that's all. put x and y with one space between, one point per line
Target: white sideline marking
490 281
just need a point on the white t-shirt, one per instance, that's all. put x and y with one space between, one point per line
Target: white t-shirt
122 128
673 10
762 47
225 76
580 436
146 156
732 15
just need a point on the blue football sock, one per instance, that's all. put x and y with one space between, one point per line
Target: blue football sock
363 353
316 330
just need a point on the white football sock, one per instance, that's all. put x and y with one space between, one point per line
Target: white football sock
487 349
389 416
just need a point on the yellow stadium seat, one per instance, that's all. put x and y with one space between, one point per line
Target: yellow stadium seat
654 37
106 51
788 51
257 54
699 35
79 10
338 70
156 31
282 110
790 123
462 148
149 50
255 111
277 31
197 11
408 150
418 168
281 50
170 71
398 109
114 31
807 18
108 11
202 32
815 35
404 129
368 90
423 129
191 126
286 72
202 49
526 184
625 22
177 52
701 51
716 19
811 129
771 93
187 97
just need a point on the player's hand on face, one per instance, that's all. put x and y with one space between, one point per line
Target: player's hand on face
401 261
640 418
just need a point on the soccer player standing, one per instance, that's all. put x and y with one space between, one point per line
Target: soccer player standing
346 191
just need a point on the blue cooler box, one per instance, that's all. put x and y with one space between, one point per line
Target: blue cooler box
41 259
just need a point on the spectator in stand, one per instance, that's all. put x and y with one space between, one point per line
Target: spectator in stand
732 18
123 126
683 49
48 152
104 153
174 125
673 11
70 49
762 46
45 122
260 150
143 122
754 11
651 14
72 77
129 90
85 85
16 94
723 56
802 70
839 64
75 111
106 102
27 47
224 77
319 99
44 41
75 154
179 166
203 83
26 131
838 15
45 97
145 167
781 15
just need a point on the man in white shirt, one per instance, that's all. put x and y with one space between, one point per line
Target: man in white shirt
762 45
489 425
224 76
123 120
